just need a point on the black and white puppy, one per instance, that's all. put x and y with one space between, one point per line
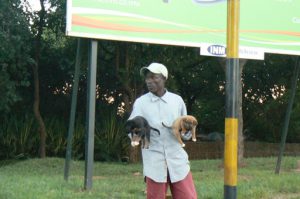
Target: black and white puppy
139 129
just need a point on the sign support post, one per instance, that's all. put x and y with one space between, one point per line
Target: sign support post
90 115
231 106
73 111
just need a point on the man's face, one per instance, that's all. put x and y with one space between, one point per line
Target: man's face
155 82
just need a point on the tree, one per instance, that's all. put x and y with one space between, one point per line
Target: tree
14 53
265 94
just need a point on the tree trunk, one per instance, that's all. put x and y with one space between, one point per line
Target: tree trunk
129 97
35 67
38 117
125 60
241 146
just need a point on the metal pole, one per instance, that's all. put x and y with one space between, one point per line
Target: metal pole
288 114
73 111
90 118
231 106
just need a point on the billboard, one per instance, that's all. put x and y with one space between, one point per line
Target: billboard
271 26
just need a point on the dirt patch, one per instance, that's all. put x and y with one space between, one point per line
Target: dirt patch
94 177
137 174
244 178
298 166
287 196
99 177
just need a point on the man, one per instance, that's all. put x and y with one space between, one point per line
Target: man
165 162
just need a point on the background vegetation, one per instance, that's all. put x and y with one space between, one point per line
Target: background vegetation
36 75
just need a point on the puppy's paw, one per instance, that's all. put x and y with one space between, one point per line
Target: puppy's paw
134 144
194 140
183 145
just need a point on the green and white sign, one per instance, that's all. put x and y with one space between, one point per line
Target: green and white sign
271 26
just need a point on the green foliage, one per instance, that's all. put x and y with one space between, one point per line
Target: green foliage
111 142
265 97
18 137
294 125
78 140
14 53
8 90
56 130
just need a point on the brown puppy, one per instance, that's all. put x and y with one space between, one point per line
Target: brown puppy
182 125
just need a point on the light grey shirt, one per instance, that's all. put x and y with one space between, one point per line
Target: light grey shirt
164 153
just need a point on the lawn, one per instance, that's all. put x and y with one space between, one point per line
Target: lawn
43 179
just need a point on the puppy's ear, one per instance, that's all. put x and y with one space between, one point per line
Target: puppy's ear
195 122
128 126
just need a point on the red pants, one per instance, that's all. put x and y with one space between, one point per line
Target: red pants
183 189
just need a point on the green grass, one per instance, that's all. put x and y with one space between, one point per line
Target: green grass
43 179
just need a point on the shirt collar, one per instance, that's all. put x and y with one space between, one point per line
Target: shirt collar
164 98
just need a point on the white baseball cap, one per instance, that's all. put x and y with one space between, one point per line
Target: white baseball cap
156 68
